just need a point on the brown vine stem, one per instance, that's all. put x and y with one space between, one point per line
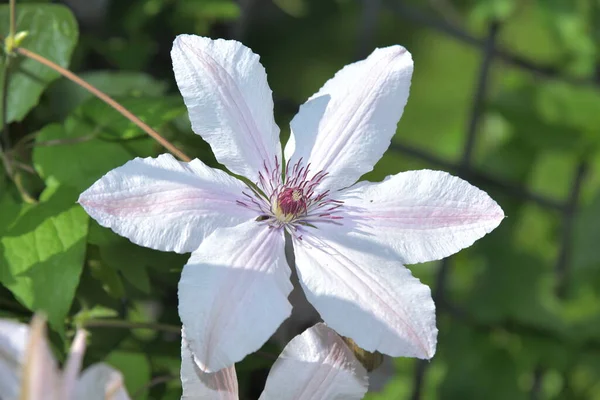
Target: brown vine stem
107 99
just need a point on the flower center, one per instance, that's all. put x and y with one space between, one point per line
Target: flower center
290 204
294 202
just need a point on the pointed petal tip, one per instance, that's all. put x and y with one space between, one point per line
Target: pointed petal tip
229 101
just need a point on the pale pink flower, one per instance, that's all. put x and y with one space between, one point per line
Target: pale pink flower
28 370
350 240
314 365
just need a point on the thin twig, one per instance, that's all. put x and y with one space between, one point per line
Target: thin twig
564 255
153 382
107 99
117 323
24 167
12 28
60 142
5 139
5 146
25 195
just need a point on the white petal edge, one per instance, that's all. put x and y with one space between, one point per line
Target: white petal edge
101 382
233 293
422 215
73 366
365 296
345 128
198 385
229 101
316 365
14 337
165 204
40 377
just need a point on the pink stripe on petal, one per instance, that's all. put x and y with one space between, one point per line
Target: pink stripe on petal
233 293
363 294
229 102
345 127
420 215
165 204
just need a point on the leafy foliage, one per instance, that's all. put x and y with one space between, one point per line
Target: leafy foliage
52 33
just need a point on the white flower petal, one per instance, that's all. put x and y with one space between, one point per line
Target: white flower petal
233 293
229 102
198 385
421 215
73 365
366 296
40 374
101 382
14 337
316 365
165 204
345 128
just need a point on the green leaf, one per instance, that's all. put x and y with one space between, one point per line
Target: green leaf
96 139
567 105
492 10
64 96
131 260
97 117
53 34
586 233
111 281
209 9
571 22
98 311
477 363
135 368
42 254
295 8
519 108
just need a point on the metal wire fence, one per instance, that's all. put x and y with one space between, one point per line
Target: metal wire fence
489 52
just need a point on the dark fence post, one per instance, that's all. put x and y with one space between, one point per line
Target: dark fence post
439 291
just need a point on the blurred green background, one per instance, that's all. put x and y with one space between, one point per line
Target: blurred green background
504 94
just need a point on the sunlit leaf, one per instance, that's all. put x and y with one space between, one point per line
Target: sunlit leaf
64 96
42 254
135 368
96 139
53 34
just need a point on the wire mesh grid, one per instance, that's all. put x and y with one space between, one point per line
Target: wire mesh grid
489 52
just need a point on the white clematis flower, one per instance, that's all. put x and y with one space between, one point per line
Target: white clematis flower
314 365
28 370
349 241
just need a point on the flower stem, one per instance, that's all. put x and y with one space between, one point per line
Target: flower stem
117 323
5 140
12 29
107 99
